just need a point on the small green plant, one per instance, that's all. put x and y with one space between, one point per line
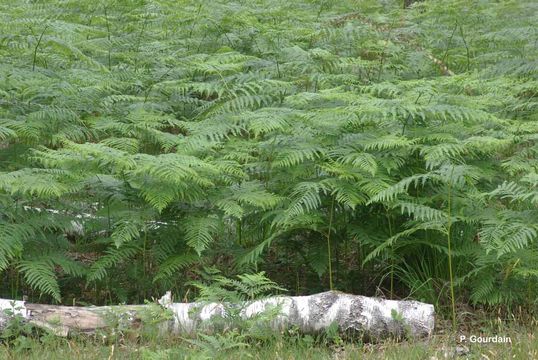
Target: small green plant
22 337
152 318
332 335
216 345
233 328
16 331
398 318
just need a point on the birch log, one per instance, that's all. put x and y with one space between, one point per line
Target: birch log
370 317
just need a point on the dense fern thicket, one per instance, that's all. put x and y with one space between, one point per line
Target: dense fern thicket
352 145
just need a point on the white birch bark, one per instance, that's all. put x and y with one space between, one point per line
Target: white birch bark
369 317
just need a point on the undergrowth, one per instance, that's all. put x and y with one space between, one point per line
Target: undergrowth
356 146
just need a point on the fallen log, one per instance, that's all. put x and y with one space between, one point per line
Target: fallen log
369 317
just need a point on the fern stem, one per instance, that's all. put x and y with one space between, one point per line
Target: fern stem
337 260
449 225
144 256
466 49
297 281
139 40
391 259
384 54
444 59
194 24
108 37
329 245
109 223
37 47
239 232
13 279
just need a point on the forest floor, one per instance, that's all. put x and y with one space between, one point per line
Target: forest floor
523 345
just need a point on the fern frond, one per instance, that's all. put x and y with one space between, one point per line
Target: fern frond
200 232
112 257
305 197
173 264
39 273
125 231
390 193
421 212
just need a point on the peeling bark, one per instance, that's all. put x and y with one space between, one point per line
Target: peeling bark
368 317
